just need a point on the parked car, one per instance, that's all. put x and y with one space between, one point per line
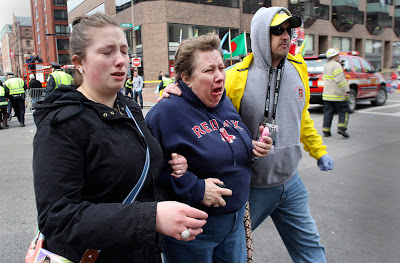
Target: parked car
365 83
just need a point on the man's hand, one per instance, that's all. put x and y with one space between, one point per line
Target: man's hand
172 88
325 163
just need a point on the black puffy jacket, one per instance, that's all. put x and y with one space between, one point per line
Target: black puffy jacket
87 158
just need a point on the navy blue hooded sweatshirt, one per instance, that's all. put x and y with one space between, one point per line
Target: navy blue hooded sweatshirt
215 143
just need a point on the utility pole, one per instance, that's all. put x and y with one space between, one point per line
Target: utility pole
134 53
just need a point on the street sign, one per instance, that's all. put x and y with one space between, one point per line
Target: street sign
136 62
136 27
126 25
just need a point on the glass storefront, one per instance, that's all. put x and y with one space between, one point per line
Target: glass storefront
342 43
373 52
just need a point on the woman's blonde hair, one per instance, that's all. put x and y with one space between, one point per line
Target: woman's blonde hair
81 35
186 54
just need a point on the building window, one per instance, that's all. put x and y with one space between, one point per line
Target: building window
63 44
36 14
227 3
44 4
40 51
309 45
342 43
121 5
60 2
373 46
38 39
322 11
28 43
378 16
251 6
62 30
26 32
308 10
63 58
35 2
37 26
45 19
396 48
60 15
345 14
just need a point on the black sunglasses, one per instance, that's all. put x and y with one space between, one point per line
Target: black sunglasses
278 30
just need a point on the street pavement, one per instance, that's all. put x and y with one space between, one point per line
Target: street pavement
356 206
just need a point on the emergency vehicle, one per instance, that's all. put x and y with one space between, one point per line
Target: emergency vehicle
365 83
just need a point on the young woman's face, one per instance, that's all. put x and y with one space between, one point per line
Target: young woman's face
208 77
105 66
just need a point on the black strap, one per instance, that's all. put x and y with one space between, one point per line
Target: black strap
279 76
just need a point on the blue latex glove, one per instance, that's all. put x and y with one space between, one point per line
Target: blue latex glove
325 163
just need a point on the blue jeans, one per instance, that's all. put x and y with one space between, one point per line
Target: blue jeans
135 95
288 207
223 240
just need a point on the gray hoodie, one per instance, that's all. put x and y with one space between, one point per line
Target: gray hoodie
282 162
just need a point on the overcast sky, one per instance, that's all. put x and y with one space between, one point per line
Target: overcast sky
7 7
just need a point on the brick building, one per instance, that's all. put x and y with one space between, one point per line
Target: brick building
371 27
50 30
5 35
21 42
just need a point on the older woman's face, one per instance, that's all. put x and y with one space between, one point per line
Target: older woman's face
105 65
208 77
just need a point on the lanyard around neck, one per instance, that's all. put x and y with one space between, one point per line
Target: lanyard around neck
279 76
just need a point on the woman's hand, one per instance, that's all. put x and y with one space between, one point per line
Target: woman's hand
173 218
178 165
213 193
172 88
262 148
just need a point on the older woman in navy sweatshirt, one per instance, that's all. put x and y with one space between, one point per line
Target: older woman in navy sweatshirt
204 126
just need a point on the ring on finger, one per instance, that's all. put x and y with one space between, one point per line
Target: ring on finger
185 234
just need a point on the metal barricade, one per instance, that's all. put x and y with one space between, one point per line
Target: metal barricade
33 96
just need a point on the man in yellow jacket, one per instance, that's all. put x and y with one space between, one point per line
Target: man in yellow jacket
276 189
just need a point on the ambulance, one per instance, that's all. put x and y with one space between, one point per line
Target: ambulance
365 83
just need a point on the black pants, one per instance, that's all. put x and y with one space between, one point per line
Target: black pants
128 91
3 114
18 104
342 108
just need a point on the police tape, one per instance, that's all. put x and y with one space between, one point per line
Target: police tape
151 81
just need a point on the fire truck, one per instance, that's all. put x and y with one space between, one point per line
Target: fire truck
365 83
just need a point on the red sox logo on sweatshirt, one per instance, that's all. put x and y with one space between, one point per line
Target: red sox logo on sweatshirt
212 125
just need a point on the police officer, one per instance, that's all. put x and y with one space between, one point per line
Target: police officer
4 93
165 81
56 78
335 94
128 87
17 89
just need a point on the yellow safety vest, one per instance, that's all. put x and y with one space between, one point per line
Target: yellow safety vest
15 85
60 77
128 84
167 81
3 101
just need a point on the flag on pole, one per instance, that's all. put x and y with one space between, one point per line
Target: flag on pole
224 51
197 33
237 46
302 49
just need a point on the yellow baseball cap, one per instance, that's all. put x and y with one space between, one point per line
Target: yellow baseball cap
280 18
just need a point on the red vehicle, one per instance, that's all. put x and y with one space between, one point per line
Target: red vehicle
365 83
